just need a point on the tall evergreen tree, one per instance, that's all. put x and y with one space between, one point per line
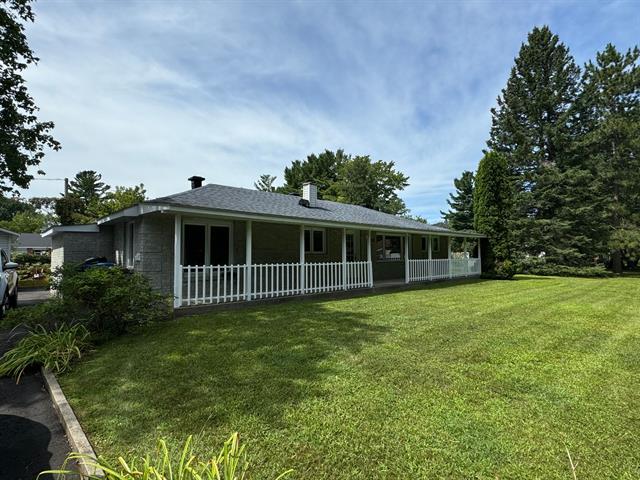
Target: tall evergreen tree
460 214
88 187
493 204
609 108
265 183
320 169
532 127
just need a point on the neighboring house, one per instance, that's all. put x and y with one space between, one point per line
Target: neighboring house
32 243
7 240
216 243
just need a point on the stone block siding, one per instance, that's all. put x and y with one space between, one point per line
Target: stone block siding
153 250
76 247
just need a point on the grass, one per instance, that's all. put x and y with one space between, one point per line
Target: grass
481 379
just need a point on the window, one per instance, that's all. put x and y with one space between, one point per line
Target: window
351 247
423 244
435 244
5 258
194 244
314 240
129 232
206 244
388 247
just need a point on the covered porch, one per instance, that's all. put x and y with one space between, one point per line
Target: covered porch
220 260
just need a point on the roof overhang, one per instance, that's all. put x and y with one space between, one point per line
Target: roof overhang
228 214
9 232
132 212
91 228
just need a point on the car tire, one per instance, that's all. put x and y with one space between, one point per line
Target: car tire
4 306
13 299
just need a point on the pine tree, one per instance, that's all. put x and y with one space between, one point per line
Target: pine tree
493 204
265 183
610 118
460 214
532 127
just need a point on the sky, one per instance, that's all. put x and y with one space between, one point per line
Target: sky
156 91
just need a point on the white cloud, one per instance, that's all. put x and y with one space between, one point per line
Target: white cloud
154 92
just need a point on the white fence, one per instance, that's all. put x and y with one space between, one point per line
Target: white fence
435 269
230 283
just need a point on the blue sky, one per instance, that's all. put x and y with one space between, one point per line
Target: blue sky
156 91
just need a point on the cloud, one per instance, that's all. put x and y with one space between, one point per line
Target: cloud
154 92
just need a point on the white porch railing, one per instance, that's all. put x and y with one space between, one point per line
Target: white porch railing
230 283
435 269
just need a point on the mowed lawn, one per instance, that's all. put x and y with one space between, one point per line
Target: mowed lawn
480 379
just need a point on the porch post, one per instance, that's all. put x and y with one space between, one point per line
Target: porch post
344 258
177 267
406 258
449 256
302 269
429 263
479 257
466 259
370 264
248 294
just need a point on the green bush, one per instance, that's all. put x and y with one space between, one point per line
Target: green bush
55 349
109 301
538 266
230 464
49 314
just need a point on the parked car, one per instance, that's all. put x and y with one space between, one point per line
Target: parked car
8 283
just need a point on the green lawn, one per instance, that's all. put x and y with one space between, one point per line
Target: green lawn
483 379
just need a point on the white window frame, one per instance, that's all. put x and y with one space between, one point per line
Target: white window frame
384 237
311 250
207 236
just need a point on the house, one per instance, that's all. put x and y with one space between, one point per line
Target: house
216 243
33 244
7 240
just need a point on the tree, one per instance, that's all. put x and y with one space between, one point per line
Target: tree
119 199
533 127
609 108
9 206
460 214
265 183
493 204
88 187
370 184
320 169
27 222
23 139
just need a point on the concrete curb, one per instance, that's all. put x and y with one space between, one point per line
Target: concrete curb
77 438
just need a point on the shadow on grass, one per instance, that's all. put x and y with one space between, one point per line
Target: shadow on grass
213 369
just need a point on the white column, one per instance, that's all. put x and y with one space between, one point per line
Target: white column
370 265
248 294
479 257
344 258
466 260
406 258
177 267
302 268
429 263
449 256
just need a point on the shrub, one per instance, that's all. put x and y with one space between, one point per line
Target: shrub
55 350
230 464
108 301
537 266
49 314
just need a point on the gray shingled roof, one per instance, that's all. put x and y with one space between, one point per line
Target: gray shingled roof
248 201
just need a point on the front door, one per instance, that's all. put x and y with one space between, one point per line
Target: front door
219 246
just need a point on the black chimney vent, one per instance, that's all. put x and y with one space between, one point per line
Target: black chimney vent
196 181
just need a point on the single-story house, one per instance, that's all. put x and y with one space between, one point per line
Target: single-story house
216 243
33 244
7 240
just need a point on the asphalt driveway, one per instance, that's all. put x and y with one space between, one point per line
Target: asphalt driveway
31 437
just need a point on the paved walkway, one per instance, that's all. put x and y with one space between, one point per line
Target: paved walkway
31 437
